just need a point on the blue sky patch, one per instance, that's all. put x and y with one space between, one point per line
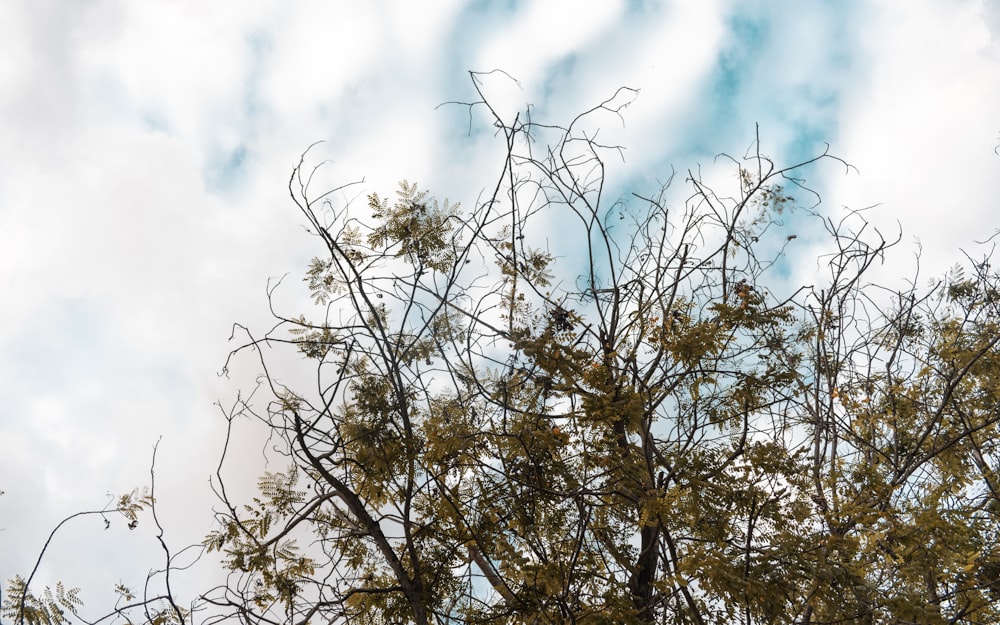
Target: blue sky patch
226 169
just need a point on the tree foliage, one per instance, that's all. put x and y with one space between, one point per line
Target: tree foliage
647 425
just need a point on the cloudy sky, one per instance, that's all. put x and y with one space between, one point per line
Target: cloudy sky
146 149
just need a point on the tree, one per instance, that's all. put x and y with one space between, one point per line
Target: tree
676 436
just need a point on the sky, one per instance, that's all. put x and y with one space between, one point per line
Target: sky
146 150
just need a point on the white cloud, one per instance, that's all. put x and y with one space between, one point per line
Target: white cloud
919 122
535 40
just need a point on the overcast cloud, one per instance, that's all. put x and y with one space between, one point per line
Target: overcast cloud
147 146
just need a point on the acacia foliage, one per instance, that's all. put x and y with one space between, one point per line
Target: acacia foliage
654 428
663 439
